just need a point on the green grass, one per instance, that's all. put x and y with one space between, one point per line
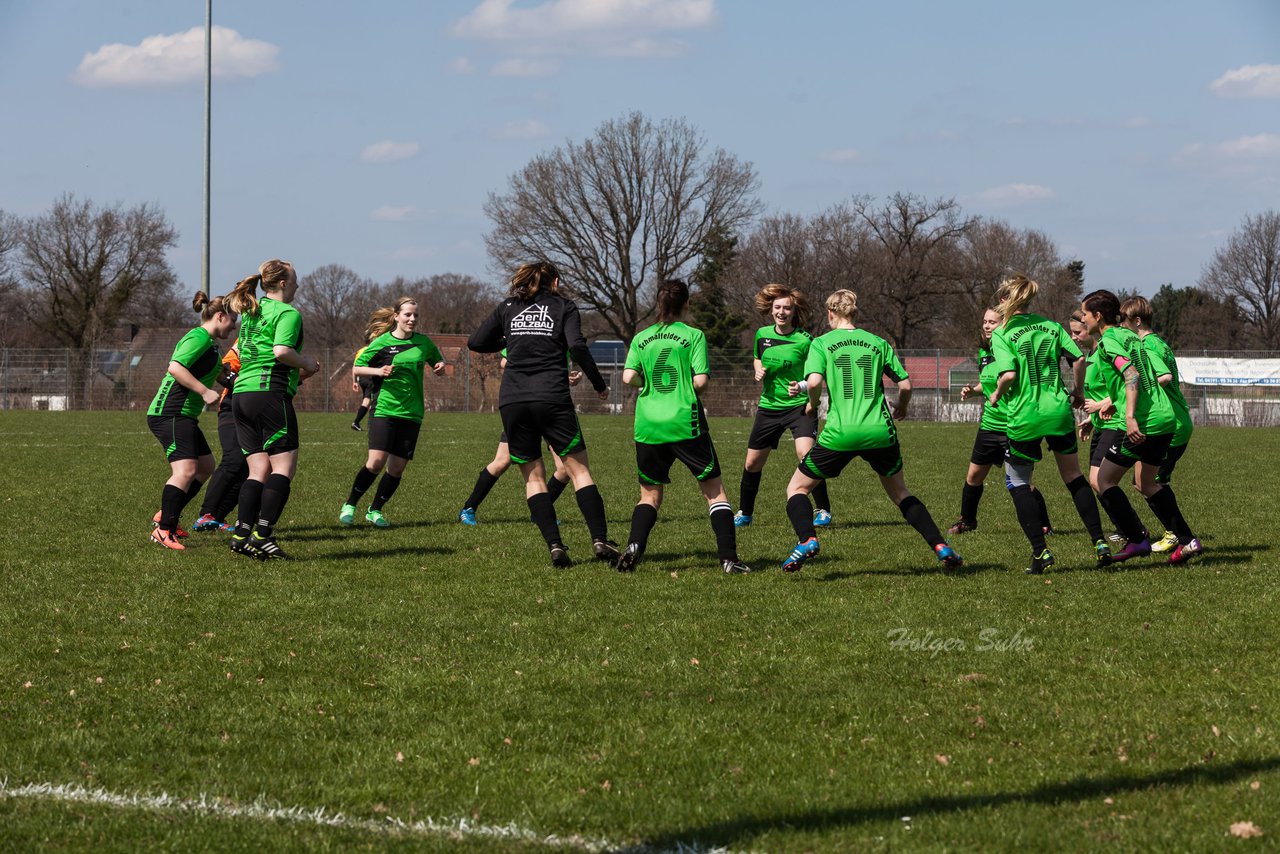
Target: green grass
432 670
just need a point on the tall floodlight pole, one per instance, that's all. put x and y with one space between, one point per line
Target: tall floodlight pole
208 96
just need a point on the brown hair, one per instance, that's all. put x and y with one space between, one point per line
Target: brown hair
533 278
1015 294
384 318
209 307
673 296
769 293
843 303
271 275
1137 308
1104 303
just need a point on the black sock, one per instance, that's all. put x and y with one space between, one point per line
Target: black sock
364 480
800 512
748 490
1086 506
171 501
722 525
917 515
592 507
1044 509
275 493
230 476
360 414
555 486
191 493
250 504
1122 513
969 498
1165 505
820 498
542 514
484 483
214 494
1029 516
386 488
643 518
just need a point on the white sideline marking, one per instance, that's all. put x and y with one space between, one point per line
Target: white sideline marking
259 810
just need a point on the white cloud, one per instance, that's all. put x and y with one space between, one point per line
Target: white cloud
527 129
841 155
391 213
388 151
1248 81
1246 148
1012 195
522 67
175 59
609 28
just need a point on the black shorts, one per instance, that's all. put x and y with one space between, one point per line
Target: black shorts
265 422
1165 475
989 448
824 463
180 437
396 436
1101 441
366 385
1151 451
653 462
770 424
1028 450
527 424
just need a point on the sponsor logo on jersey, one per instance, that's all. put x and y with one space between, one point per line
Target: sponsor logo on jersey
534 319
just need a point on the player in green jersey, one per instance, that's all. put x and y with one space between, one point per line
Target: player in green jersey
852 363
991 443
1028 349
780 351
1149 429
173 414
395 361
271 366
1103 424
1136 313
362 385
668 363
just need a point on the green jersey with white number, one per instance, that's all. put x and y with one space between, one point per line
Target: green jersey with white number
1031 347
1120 348
783 359
1163 362
400 394
275 323
1098 387
668 355
993 417
198 353
852 363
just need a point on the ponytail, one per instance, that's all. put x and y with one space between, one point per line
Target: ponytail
843 303
673 296
531 279
1014 295
271 275
208 308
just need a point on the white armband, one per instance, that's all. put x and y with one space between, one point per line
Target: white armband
803 384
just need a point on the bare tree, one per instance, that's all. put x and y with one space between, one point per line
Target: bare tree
1247 271
620 211
10 308
451 303
335 305
85 266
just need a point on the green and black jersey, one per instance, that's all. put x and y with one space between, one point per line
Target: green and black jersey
198 353
1032 346
276 323
1101 385
853 363
668 356
1163 362
993 417
783 359
398 395
1121 347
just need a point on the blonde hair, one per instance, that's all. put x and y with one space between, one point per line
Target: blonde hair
209 307
1137 308
533 278
384 318
843 303
1015 294
769 293
271 275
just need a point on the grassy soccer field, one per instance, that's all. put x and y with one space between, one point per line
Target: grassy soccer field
432 675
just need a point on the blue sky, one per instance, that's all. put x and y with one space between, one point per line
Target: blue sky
1137 134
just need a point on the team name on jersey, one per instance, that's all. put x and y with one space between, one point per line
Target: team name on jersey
831 348
534 319
1013 338
666 336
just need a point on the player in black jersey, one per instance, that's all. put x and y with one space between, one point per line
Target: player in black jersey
224 487
537 326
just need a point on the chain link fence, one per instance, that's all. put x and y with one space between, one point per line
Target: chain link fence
127 379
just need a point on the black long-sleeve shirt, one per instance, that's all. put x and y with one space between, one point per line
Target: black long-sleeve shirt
536 334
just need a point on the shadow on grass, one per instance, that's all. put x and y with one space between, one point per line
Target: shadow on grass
969 568
399 551
735 831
